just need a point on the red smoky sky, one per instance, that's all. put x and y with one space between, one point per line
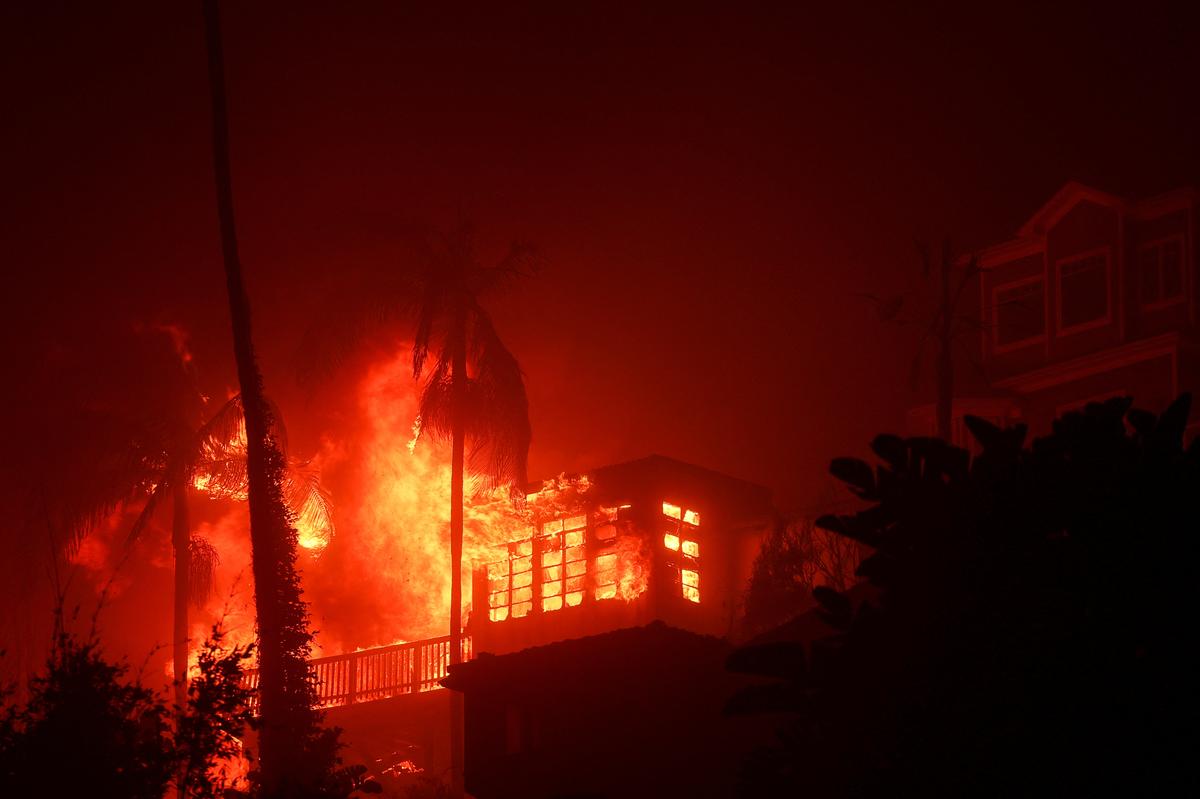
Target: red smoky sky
713 188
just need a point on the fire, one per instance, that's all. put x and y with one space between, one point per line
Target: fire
681 529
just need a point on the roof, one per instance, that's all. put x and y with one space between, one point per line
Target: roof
1071 194
740 497
1029 237
642 651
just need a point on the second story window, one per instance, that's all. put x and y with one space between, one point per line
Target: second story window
563 562
1160 264
1083 296
679 538
1020 313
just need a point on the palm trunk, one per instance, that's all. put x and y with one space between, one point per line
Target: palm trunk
286 693
458 377
181 535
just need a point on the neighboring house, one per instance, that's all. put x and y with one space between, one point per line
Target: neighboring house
630 713
1095 297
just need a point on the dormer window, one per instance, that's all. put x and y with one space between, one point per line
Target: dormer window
1083 291
1160 264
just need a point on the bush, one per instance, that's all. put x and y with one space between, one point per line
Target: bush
1034 632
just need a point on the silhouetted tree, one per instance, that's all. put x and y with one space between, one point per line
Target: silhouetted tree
208 735
295 754
170 453
473 392
795 557
87 729
1035 629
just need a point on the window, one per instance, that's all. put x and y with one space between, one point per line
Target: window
1083 292
1160 265
561 569
680 540
1020 310
563 562
510 582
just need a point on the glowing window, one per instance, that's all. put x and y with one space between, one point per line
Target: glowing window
563 562
510 583
606 576
679 539
690 581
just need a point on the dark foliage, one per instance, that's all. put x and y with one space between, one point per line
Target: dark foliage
1034 632
86 731
795 557
208 736
89 730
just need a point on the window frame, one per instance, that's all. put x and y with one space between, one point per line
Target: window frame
1184 272
1092 324
685 530
1037 338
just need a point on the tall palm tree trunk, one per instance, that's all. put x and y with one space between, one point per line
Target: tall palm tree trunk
458 376
286 690
181 535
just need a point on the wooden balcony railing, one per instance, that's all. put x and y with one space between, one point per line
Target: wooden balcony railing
372 674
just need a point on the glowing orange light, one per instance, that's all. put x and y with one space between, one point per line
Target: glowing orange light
691 585
671 542
691 517
691 549
673 511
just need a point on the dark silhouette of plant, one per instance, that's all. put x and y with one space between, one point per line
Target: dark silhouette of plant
296 756
85 731
795 557
208 735
1034 632
89 730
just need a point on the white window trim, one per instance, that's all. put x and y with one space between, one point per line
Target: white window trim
1058 294
1185 273
997 347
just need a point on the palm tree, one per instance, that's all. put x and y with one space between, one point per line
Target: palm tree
170 457
295 755
473 392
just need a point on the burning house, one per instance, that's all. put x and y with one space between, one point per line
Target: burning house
579 559
649 540
633 581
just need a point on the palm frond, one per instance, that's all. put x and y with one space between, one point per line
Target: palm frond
437 407
498 413
522 261
424 338
143 519
203 560
308 501
226 425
